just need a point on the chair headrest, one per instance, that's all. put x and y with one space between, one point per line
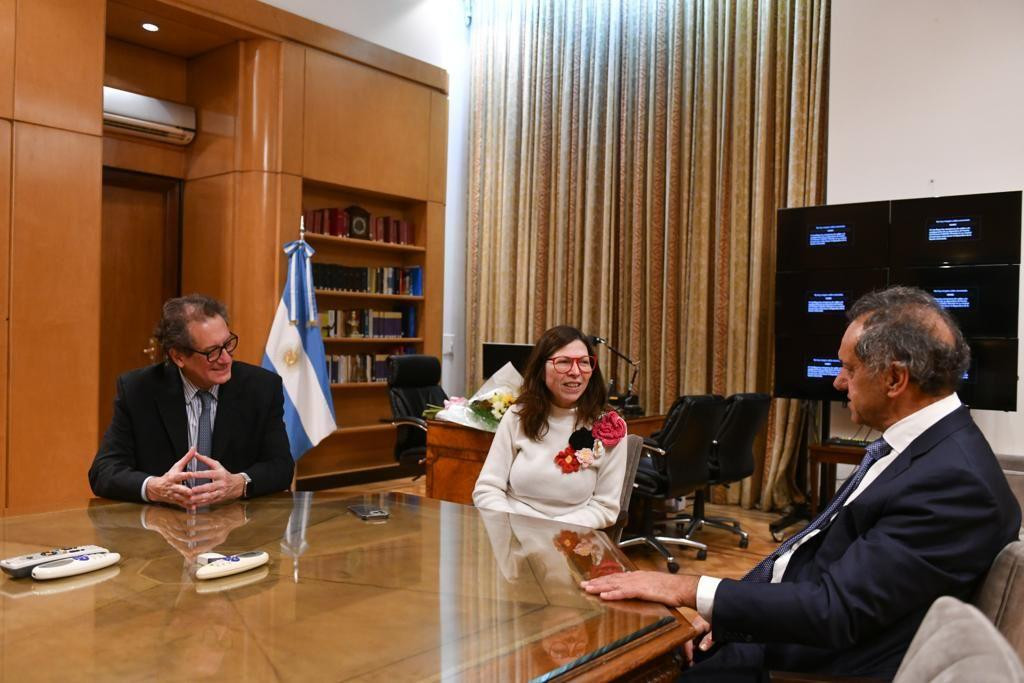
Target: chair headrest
414 370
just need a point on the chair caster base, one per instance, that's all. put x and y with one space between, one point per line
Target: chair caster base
744 542
702 554
673 567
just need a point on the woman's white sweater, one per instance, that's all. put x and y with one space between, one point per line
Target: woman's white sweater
521 476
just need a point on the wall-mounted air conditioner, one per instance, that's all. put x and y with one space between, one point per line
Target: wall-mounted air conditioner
128 113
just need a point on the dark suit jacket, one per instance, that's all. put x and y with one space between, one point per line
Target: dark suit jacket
853 596
149 431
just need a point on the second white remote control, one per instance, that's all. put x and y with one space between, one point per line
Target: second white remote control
70 566
231 564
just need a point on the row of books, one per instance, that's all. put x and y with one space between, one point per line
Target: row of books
386 280
361 367
357 223
365 322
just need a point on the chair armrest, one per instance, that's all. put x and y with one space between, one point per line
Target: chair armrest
651 447
417 422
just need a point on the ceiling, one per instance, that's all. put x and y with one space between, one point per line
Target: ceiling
181 33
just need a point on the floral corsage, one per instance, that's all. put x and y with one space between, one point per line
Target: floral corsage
586 446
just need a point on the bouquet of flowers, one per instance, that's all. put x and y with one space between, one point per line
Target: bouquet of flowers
484 409
490 408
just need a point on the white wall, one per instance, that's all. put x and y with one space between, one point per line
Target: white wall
432 31
926 97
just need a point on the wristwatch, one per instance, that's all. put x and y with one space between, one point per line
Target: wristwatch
248 483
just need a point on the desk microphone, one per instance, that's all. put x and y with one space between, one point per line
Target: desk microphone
627 403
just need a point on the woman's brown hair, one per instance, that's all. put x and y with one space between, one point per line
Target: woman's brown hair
534 402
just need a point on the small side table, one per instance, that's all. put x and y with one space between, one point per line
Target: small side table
824 478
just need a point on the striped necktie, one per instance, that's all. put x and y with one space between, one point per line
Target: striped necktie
204 439
762 573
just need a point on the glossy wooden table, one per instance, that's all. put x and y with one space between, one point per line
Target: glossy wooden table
455 455
823 460
437 592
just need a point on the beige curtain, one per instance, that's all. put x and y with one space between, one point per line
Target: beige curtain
626 162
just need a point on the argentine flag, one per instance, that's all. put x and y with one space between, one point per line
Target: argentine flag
295 351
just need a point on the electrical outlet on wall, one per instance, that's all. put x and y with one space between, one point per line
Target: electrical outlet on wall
448 344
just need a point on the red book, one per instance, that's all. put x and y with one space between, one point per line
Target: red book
343 223
332 221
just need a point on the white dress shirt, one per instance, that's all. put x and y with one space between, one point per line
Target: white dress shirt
193 409
898 436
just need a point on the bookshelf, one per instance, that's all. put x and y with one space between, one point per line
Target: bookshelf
362 448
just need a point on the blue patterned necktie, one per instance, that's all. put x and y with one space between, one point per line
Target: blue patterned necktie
762 573
204 439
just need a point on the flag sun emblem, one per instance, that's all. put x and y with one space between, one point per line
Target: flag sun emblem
291 357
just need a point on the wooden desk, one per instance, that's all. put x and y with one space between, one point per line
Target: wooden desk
823 479
438 591
455 455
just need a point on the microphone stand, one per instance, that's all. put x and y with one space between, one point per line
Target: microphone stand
628 403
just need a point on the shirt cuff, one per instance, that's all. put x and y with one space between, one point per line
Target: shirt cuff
706 587
143 492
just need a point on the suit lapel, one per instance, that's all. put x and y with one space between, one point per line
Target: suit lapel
956 420
227 416
171 404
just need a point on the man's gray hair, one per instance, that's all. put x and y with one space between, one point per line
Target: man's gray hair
906 325
172 330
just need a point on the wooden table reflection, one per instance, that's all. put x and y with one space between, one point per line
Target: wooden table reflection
439 591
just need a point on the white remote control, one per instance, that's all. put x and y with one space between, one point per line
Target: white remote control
79 564
215 565
21 566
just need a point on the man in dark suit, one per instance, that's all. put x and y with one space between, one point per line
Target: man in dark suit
923 516
199 428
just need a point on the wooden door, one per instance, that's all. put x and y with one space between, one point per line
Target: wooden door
140 269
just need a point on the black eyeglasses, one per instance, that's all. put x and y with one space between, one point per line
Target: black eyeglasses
213 355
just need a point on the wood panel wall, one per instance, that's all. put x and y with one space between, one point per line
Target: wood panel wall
50 134
243 194
5 260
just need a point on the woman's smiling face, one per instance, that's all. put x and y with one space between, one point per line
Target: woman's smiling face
566 388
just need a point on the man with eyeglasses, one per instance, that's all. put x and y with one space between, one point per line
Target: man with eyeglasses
199 428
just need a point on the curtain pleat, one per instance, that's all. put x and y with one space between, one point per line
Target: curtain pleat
627 159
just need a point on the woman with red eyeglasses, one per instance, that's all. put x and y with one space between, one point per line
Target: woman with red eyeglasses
560 450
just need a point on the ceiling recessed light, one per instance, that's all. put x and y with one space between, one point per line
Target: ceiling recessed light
152 28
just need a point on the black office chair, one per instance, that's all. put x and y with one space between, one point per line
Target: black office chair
677 465
732 459
413 383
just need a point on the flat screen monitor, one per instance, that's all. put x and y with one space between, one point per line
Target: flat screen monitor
806 366
991 380
960 230
839 236
982 299
815 301
495 355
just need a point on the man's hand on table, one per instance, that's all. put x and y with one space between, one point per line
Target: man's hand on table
170 488
674 590
221 485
